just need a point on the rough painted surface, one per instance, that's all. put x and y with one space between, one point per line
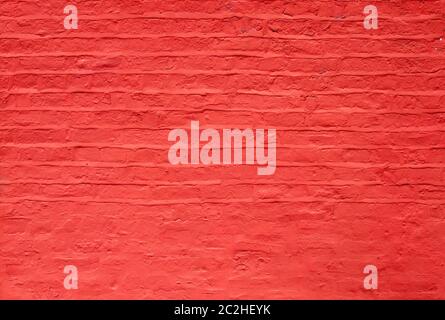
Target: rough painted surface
85 179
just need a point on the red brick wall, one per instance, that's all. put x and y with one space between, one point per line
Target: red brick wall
85 178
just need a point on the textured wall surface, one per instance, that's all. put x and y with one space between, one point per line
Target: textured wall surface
85 179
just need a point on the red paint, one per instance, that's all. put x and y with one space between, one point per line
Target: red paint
85 178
